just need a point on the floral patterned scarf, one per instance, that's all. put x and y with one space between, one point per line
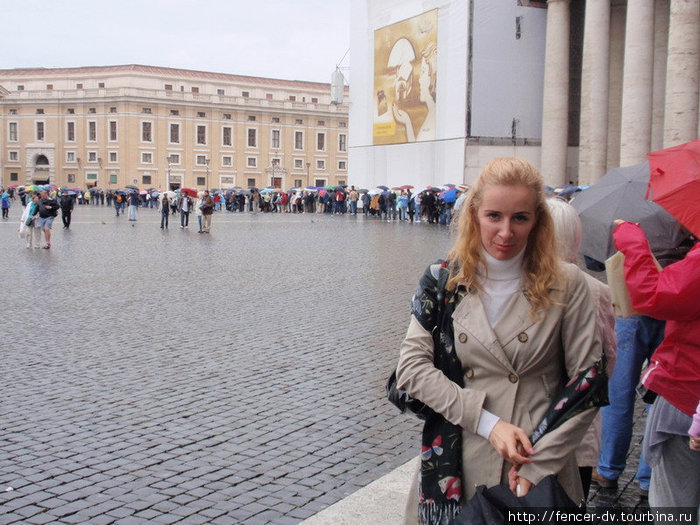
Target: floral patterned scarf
441 450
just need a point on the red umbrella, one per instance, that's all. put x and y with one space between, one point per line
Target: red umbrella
189 191
406 187
674 182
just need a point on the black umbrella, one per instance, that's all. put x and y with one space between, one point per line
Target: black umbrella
131 187
620 194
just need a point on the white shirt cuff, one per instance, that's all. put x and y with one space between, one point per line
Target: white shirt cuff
487 421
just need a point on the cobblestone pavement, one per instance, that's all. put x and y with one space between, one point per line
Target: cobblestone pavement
157 376
170 377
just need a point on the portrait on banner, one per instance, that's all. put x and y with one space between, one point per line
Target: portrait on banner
405 80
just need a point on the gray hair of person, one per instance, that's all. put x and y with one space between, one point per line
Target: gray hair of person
567 228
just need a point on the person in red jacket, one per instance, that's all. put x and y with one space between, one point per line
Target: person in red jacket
674 373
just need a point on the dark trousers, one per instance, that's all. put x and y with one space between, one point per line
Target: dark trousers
184 218
65 217
164 218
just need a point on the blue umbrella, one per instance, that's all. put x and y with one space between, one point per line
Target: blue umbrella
385 188
450 195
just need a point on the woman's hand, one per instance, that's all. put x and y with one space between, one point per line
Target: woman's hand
511 443
694 443
518 486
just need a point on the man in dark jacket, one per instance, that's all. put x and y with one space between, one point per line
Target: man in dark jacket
48 209
66 210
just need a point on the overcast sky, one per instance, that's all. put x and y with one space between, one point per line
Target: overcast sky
288 39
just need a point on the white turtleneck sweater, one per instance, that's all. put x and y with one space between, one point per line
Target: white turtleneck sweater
498 285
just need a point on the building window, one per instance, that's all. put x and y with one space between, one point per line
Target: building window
314 100
251 118
147 111
201 134
12 132
112 178
70 111
299 122
226 181
70 131
298 140
146 132
112 156
70 156
245 94
342 165
112 109
168 87
292 98
20 87
252 138
320 182
219 91
227 136
321 141
201 114
174 133
320 164
201 160
71 177
14 156
92 110
39 131
113 130
251 183
39 111
101 85
201 181
146 179
275 120
275 138
92 131
146 158
298 164
227 160
13 112
342 124
342 142
341 182
78 86
268 96
298 183
195 89
174 112
174 158
49 86
227 116
251 162
321 123
92 156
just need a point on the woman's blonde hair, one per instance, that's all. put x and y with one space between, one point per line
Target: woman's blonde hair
567 228
540 266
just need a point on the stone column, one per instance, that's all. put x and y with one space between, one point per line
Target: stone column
618 14
637 82
658 97
594 92
555 112
681 115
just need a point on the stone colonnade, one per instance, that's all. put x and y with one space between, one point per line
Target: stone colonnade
652 104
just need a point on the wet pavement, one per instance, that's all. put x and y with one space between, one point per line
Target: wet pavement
155 376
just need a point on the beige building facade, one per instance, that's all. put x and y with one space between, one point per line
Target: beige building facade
167 128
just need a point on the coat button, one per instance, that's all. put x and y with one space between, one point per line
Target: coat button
469 373
522 337
512 378
463 337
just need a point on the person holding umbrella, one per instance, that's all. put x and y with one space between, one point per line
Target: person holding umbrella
671 295
134 203
515 323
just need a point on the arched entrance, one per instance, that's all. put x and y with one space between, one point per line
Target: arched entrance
41 170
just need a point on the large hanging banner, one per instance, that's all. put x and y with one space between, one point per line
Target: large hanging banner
405 80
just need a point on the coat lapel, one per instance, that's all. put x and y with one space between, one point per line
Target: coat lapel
471 317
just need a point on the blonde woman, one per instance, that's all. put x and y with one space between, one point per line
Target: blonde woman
514 322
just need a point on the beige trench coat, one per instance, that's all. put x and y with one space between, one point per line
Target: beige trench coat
514 371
